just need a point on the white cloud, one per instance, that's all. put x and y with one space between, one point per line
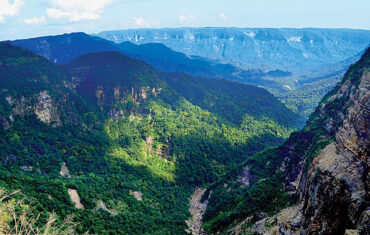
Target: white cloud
10 9
35 20
139 21
183 18
77 10
223 16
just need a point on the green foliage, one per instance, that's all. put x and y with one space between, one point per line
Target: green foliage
305 97
218 95
272 170
168 138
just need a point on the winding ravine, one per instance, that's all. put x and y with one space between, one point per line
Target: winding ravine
197 209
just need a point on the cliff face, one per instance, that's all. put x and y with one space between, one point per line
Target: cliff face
334 191
326 165
42 105
287 49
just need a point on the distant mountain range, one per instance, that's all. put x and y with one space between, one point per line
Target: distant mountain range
297 65
100 141
64 48
304 51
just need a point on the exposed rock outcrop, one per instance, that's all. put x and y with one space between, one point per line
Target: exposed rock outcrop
64 171
137 195
45 109
326 165
19 105
334 190
113 98
156 91
285 222
4 124
40 104
75 198
100 205
245 177
197 209
116 113
149 143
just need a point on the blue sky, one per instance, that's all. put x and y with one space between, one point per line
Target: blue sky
32 18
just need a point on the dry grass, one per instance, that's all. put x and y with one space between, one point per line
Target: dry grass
16 218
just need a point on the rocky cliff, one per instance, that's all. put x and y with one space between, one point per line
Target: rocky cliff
286 49
325 166
334 191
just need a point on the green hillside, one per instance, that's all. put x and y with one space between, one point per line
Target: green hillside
135 141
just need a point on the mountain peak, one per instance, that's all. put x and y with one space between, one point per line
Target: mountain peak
64 48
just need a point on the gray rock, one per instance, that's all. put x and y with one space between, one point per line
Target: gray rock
4 124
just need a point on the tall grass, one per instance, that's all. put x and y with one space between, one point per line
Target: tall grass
16 218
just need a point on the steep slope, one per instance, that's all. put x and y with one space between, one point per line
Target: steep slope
112 69
295 50
311 58
300 91
112 141
251 100
324 167
31 84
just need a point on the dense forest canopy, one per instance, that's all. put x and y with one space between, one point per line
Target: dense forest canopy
130 141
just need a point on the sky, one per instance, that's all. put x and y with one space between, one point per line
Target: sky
32 18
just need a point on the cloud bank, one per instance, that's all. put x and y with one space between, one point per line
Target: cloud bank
35 20
77 10
183 18
9 9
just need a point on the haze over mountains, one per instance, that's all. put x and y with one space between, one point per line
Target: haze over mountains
190 130
300 71
297 50
64 48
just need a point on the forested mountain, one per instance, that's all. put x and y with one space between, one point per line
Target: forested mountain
120 145
299 66
305 55
64 48
314 183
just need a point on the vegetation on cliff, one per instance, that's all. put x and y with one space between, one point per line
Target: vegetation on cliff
127 142
270 180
